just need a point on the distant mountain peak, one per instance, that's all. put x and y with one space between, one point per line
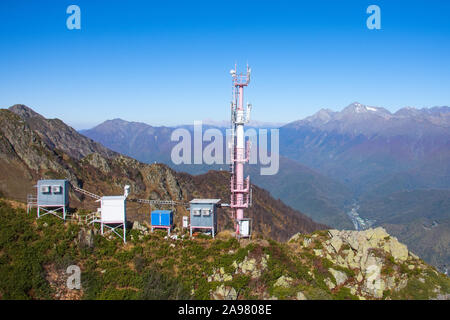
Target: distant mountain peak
322 116
357 107
118 122
25 112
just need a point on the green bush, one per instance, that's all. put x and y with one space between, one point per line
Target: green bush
158 286
344 294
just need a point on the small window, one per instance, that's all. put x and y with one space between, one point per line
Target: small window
206 212
45 189
56 189
196 212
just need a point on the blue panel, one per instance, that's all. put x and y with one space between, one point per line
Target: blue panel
162 218
155 218
165 219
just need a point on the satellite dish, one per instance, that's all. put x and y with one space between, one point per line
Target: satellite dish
232 72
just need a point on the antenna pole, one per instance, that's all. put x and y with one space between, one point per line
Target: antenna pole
239 190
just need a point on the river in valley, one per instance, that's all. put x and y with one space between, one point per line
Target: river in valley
358 222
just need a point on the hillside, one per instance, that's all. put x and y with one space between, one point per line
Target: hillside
26 156
323 265
420 218
321 198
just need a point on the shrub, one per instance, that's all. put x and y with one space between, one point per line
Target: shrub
158 286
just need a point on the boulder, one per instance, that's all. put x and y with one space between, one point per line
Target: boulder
329 283
333 233
283 281
318 252
224 293
295 237
248 265
379 233
264 260
227 277
86 238
340 276
374 284
139 227
301 296
336 243
398 250
353 241
306 242
359 277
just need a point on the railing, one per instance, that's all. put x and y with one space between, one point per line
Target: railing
31 202
83 218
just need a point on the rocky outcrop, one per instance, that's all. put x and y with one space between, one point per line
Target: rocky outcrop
86 238
364 252
249 267
360 242
369 263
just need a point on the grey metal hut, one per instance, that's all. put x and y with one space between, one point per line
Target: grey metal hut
203 214
52 197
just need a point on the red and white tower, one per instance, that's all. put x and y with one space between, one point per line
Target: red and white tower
239 152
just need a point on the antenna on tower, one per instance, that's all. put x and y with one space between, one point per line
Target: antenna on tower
240 189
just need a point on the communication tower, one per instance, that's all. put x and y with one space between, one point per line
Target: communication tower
239 151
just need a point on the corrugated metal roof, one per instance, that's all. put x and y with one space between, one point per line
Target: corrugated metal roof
204 201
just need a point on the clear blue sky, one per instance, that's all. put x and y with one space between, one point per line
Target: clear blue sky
168 62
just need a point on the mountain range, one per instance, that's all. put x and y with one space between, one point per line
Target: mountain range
363 146
335 161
